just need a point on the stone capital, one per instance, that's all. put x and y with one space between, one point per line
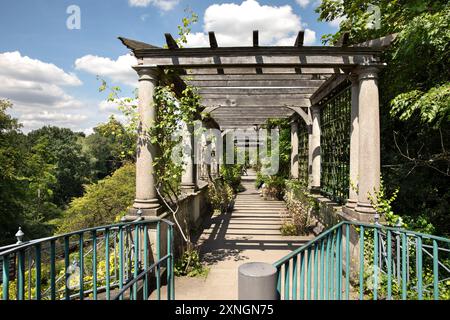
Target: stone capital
147 73
367 72
315 111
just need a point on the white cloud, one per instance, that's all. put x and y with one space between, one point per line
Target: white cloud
119 70
233 24
36 90
303 3
165 5
13 64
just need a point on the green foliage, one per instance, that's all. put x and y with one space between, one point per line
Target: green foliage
109 147
60 147
383 204
288 229
231 174
300 205
221 195
102 203
273 186
185 28
165 133
190 265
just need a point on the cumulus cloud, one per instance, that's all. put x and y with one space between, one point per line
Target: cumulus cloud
165 5
36 89
303 3
119 71
13 64
234 23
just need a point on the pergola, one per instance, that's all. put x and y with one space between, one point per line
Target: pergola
244 86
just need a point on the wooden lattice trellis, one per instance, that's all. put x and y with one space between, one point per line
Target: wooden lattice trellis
335 145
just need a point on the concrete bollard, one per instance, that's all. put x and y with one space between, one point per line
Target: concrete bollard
257 281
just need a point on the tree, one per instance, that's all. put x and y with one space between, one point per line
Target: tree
110 146
61 147
102 203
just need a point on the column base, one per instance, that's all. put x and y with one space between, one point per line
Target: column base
189 188
364 207
351 204
149 208
352 214
314 190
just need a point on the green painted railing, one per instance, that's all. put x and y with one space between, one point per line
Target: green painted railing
359 261
92 264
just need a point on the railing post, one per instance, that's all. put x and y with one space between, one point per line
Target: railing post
257 281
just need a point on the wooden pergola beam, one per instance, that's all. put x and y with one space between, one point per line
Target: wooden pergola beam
256 83
279 57
212 40
266 71
207 91
170 41
256 100
255 38
300 39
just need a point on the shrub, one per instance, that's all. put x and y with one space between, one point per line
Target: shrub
300 205
221 195
102 202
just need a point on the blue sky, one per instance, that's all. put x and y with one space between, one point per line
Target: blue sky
49 71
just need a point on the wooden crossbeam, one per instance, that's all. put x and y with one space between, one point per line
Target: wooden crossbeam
257 83
257 100
171 43
269 71
209 91
300 39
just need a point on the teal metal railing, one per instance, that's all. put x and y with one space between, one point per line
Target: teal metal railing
90 264
361 261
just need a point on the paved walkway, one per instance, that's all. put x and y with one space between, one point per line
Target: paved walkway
248 234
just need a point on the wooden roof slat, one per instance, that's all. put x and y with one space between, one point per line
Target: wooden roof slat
212 40
255 38
300 39
171 43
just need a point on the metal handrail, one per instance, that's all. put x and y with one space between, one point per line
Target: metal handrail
128 253
321 268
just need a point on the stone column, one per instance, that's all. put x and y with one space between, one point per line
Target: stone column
146 196
188 179
354 144
314 150
294 149
369 141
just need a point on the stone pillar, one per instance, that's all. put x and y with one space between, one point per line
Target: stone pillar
369 141
314 150
294 149
146 196
354 144
188 179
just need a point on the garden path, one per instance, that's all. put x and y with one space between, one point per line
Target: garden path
250 233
